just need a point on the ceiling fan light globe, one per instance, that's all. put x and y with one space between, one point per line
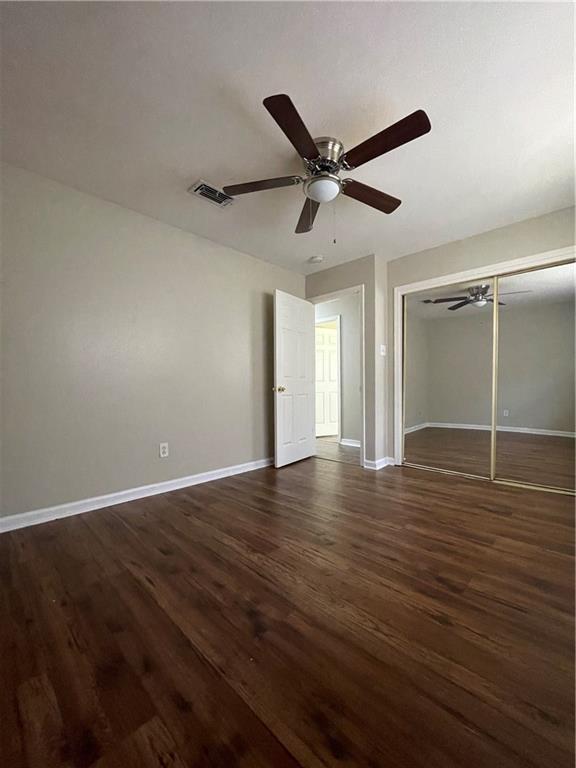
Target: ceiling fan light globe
480 303
322 189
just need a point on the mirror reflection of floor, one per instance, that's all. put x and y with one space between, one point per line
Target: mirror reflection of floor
329 448
541 459
460 450
538 459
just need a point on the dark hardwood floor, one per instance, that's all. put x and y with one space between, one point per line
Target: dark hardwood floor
537 459
329 448
320 615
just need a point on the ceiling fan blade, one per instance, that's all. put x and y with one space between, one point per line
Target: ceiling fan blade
501 303
510 293
405 130
257 186
284 112
444 301
460 305
370 196
306 220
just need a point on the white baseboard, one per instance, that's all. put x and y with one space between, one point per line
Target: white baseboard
37 516
350 443
487 428
416 427
446 425
387 461
533 431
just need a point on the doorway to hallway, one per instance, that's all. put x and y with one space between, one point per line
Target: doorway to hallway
338 379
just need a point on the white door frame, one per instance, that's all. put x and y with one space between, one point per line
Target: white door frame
355 289
331 319
477 273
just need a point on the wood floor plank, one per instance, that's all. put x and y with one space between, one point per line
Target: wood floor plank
41 720
204 714
149 746
315 616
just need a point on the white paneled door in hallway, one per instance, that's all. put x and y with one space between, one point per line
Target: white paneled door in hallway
327 378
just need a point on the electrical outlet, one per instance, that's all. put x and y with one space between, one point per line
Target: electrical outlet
506 412
164 452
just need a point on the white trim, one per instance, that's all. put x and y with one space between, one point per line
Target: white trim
487 428
416 427
533 431
36 516
337 320
448 425
350 443
326 297
491 270
387 461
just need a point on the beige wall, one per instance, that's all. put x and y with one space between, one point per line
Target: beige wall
348 307
417 371
120 332
544 233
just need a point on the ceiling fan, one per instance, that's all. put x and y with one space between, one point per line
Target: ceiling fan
478 296
324 158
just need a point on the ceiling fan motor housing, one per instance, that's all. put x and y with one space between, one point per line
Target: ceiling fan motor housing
330 151
323 184
478 291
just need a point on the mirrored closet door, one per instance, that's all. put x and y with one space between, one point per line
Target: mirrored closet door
448 378
535 405
489 378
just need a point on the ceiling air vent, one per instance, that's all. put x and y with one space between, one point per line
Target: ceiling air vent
211 194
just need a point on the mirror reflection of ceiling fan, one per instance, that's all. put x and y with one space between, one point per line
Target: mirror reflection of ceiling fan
324 158
478 296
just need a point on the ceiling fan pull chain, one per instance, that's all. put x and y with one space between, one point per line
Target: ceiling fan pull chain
334 223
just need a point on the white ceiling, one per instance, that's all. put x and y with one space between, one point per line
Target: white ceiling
543 286
134 101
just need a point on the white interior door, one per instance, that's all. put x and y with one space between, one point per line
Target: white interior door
327 379
294 329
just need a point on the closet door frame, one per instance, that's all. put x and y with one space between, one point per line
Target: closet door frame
492 272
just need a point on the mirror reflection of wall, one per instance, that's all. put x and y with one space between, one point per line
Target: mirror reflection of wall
448 378
535 438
